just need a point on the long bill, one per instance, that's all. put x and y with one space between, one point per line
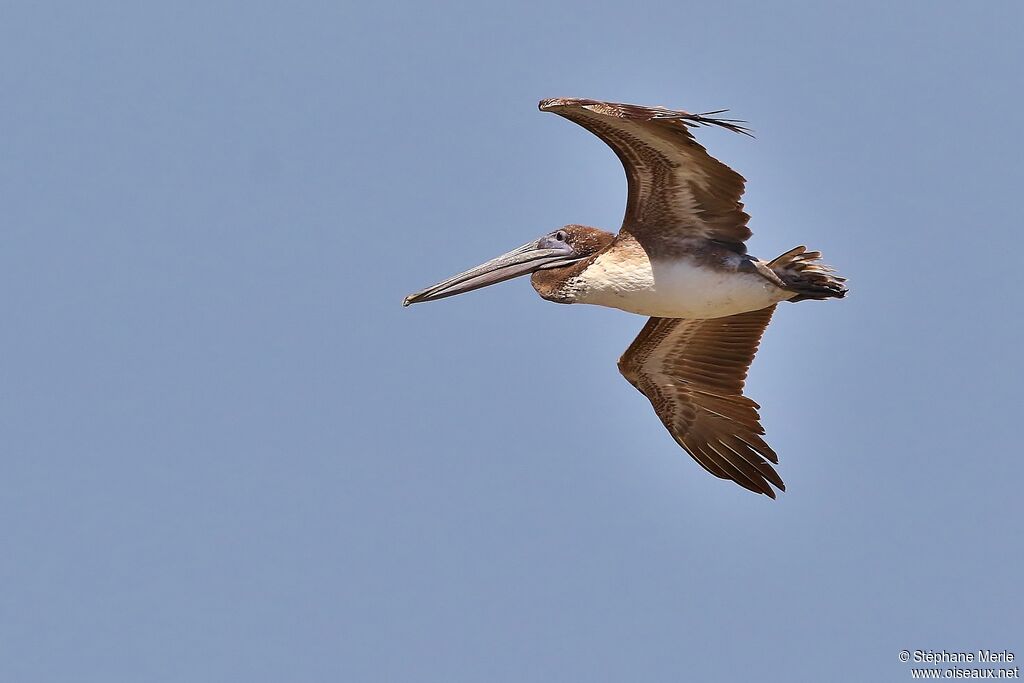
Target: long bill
526 259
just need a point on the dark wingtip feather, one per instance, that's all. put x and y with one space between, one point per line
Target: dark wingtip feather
708 118
642 113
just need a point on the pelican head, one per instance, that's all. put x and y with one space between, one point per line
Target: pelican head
552 257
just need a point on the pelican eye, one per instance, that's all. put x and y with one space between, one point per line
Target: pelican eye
560 236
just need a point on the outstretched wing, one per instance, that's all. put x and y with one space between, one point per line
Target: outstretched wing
676 189
693 372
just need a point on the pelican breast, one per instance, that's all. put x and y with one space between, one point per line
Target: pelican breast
673 286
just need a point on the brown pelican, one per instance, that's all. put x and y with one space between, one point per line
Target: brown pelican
679 258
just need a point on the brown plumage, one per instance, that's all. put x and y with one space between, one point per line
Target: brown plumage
681 258
676 189
693 373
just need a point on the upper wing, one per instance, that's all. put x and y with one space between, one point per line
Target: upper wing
675 187
693 372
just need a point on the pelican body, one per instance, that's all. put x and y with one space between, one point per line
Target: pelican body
680 259
702 280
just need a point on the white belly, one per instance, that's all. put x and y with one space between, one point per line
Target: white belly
675 289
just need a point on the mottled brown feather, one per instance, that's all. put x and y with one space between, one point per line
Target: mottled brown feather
676 189
693 372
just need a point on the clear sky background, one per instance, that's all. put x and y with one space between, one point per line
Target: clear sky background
229 454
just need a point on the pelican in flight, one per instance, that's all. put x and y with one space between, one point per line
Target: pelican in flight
679 258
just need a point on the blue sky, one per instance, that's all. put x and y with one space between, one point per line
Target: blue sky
229 453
